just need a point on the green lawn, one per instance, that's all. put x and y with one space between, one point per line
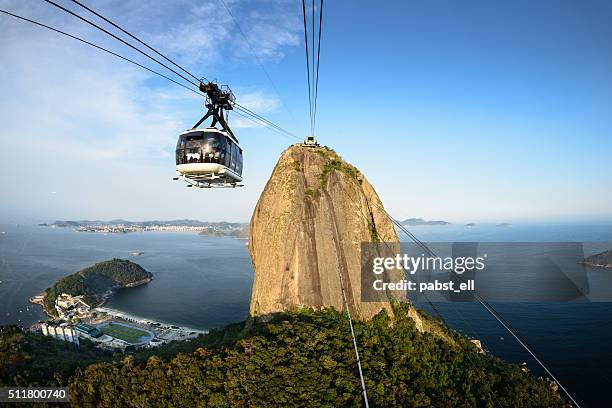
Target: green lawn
129 334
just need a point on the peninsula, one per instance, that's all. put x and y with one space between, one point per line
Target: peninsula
600 260
221 228
94 284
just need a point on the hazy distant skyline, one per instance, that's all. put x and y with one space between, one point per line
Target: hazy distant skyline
467 112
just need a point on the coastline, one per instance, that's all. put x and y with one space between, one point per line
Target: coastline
592 265
118 314
126 316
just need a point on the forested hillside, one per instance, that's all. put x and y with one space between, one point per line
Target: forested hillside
95 280
30 359
306 359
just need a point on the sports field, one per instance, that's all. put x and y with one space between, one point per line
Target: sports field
127 333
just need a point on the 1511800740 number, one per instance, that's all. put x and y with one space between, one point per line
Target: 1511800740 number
33 394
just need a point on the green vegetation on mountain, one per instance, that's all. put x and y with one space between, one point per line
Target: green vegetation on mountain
96 280
31 359
300 358
335 162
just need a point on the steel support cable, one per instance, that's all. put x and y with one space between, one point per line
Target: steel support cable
431 304
307 61
259 122
505 324
256 56
313 65
99 48
135 38
350 320
365 218
248 112
434 308
316 92
272 124
121 40
171 61
336 234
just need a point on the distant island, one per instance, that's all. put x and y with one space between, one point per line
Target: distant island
222 228
600 260
471 224
91 287
420 221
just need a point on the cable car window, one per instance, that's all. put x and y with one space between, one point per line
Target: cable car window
239 161
237 153
228 155
193 141
213 148
221 150
180 156
233 160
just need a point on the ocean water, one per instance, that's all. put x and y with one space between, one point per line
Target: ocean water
204 282
573 339
198 281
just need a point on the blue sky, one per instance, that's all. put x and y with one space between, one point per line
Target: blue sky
464 111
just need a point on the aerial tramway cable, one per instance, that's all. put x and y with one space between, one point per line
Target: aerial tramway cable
307 63
312 104
312 62
119 39
248 114
267 123
313 65
135 38
255 56
100 48
316 88
505 324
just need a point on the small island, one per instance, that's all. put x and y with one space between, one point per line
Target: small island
421 221
600 260
92 286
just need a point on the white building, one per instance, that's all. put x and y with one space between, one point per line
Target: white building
62 332
68 306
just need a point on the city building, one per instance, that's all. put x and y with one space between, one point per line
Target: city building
87 330
61 332
69 307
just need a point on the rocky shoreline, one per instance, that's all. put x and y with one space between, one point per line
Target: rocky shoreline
594 265
600 260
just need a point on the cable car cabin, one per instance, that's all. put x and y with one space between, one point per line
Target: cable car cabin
209 158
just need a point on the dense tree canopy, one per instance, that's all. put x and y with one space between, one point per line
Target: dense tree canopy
306 359
28 358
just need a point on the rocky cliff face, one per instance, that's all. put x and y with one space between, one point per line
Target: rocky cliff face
307 230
